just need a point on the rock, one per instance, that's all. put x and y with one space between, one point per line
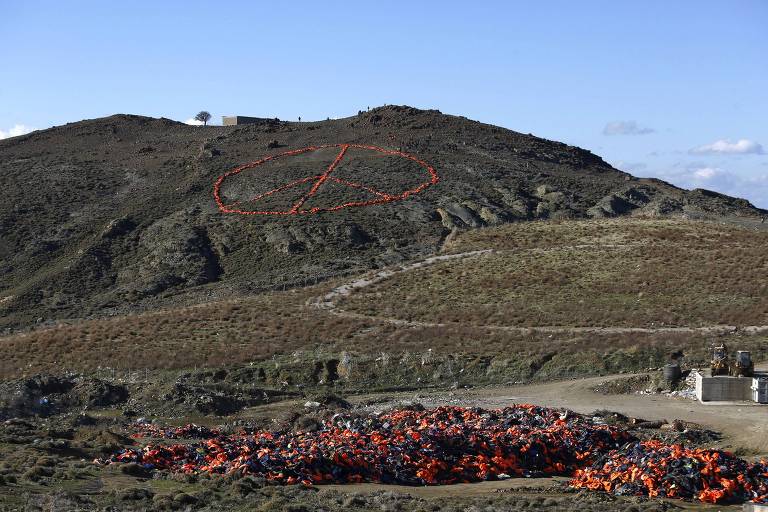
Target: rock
446 219
249 484
136 470
611 206
99 393
177 254
521 208
284 241
84 420
466 215
207 150
118 227
136 494
184 499
356 235
543 190
543 210
489 216
662 207
556 198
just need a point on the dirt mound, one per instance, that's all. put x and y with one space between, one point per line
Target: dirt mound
45 395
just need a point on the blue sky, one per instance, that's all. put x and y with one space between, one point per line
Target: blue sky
669 89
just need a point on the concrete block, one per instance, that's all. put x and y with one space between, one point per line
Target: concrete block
723 388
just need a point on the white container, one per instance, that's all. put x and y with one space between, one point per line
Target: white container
760 390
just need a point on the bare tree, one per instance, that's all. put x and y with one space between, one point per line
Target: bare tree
203 116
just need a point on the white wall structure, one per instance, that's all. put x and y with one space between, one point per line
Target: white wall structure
723 388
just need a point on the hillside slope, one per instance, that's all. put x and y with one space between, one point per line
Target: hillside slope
551 300
117 215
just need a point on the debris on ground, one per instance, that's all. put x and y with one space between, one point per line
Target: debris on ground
445 445
654 469
449 445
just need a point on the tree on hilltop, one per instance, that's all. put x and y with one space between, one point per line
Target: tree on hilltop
203 116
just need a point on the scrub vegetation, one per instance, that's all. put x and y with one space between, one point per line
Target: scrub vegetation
628 273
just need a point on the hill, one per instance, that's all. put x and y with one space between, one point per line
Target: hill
500 306
543 300
117 215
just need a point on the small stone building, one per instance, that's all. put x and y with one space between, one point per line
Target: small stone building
237 120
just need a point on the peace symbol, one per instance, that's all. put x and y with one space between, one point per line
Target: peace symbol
318 180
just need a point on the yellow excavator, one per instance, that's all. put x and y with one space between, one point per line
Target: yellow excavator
743 365
721 364
720 361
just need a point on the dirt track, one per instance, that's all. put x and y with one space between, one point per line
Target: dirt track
329 302
743 425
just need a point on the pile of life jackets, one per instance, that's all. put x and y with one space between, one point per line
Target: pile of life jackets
652 468
441 446
450 445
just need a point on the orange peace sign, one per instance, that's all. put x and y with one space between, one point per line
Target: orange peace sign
317 180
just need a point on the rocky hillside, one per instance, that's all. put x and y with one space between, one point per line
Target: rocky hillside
117 215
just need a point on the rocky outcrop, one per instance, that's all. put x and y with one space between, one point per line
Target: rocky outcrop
175 253
44 395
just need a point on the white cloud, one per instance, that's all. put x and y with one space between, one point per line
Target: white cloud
698 175
193 122
626 128
740 147
706 173
703 176
630 167
17 130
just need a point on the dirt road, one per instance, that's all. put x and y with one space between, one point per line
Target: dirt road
744 425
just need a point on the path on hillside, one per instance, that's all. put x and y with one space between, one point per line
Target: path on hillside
329 303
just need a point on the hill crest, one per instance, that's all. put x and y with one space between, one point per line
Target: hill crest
117 215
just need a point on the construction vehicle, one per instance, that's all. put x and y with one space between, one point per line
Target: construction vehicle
742 365
720 363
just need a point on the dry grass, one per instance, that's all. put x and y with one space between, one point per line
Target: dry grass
635 273
689 274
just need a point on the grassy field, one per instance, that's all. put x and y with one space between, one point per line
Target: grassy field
627 273
597 273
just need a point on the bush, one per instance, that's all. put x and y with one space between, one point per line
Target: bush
134 469
36 473
136 494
